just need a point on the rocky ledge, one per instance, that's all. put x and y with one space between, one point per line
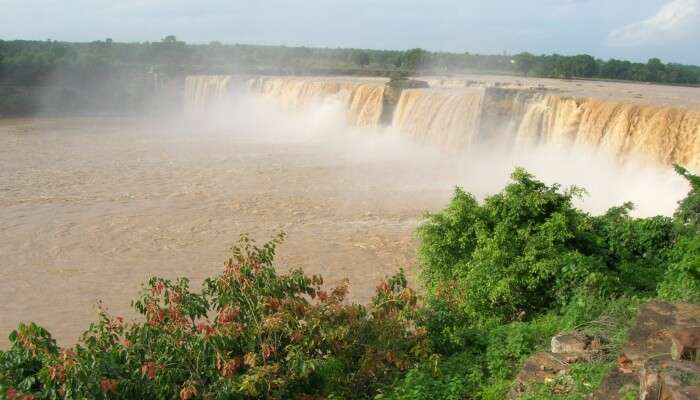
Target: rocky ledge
660 359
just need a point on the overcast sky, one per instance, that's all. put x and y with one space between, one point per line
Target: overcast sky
629 29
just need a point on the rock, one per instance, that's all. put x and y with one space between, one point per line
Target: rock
639 358
392 94
404 83
615 385
649 334
539 368
685 344
649 386
667 379
570 343
577 346
624 364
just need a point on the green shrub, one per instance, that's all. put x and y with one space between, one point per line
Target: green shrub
682 279
579 382
505 275
634 250
454 378
509 256
528 250
688 211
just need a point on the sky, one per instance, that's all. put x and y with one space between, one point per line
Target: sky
627 29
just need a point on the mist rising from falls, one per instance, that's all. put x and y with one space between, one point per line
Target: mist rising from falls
457 119
441 138
449 120
363 101
298 94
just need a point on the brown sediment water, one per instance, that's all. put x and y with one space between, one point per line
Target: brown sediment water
90 208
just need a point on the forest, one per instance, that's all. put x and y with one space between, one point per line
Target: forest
499 278
82 76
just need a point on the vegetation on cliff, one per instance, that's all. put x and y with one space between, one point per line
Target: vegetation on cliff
501 277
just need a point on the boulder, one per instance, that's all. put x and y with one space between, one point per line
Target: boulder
404 83
539 368
645 357
685 344
667 379
580 346
570 343
392 94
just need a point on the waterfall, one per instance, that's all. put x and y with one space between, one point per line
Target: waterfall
666 135
456 118
366 106
448 119
202 90
298 94
364 100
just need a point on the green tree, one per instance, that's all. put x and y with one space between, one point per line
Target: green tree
415 59
525 63
169 39
584 66
360 58
527 250
688 212
656 70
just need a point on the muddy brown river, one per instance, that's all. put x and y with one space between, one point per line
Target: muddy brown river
90 208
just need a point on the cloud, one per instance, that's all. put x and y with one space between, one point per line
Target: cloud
674 21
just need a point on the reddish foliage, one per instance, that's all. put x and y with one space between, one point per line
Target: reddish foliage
57 373
175 297
26 342
296 337
117 324
188 392
150 369
11 394
158 289
227 315
267 350
154 314
228 367
384 287
109 385
206 329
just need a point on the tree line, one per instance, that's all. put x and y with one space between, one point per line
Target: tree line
585 66
31 62
78 68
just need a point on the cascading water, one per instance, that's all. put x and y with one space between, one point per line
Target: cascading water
364 100
366 106
454 119
297 94
449 119
666 135
202 90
